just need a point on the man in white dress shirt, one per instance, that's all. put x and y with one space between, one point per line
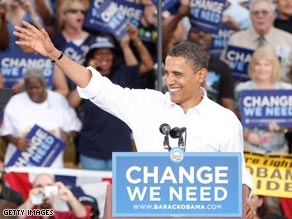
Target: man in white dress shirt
210 127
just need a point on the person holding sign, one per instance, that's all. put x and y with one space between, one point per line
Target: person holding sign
264 71
38 106
263 33
185 105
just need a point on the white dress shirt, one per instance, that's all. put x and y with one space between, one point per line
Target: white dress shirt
210 127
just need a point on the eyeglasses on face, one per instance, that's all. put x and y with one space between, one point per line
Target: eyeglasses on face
260 12
75 11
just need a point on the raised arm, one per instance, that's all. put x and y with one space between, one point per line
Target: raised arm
146 61
40 41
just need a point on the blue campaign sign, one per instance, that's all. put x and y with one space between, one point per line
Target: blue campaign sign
220 40
113 16
239 59
43 150
13 66
169 5
74 52
177 184
206 15
261 107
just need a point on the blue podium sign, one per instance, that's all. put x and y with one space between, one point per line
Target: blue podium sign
176 184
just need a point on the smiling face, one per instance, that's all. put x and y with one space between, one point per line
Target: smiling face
183 82
103 60
263 70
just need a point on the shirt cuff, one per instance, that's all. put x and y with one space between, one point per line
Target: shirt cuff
92 88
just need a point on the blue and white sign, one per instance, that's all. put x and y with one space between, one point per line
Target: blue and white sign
169 5
261 107
206 15
156 185
13 66
239 59
220 40
113 16
74 52
44 149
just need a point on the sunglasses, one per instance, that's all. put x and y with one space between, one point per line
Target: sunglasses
75 11
263 12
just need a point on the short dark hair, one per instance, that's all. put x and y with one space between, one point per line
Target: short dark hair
195 56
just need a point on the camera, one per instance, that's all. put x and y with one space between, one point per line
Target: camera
48 192
51 191
37 199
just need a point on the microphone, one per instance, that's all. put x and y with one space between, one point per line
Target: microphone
165 129
178 133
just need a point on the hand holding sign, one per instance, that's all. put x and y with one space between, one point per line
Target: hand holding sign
22 143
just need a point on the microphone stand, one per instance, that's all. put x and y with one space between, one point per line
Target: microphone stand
166 143
181 141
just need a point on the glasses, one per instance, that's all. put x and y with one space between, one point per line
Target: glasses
263 12
75 11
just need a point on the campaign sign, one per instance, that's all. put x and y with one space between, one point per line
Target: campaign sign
43 150
176 184
239 59
169 5
220 40
13 66
113 16
261 107
74 52
206 15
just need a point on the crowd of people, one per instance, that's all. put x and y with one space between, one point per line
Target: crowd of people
84 107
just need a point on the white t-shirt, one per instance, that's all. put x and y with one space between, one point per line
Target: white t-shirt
21 114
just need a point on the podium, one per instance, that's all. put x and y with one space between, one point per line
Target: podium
188 181
108 209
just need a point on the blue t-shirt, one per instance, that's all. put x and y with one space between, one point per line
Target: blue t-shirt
103 133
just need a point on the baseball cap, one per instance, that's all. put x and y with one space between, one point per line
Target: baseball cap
102 42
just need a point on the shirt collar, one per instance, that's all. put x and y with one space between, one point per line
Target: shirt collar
268 36
170 104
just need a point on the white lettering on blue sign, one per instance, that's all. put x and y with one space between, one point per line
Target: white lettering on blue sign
107 14
269 101
204 175
216 7
237 56
35 142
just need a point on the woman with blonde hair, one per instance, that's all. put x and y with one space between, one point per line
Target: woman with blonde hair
264 71
71 38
